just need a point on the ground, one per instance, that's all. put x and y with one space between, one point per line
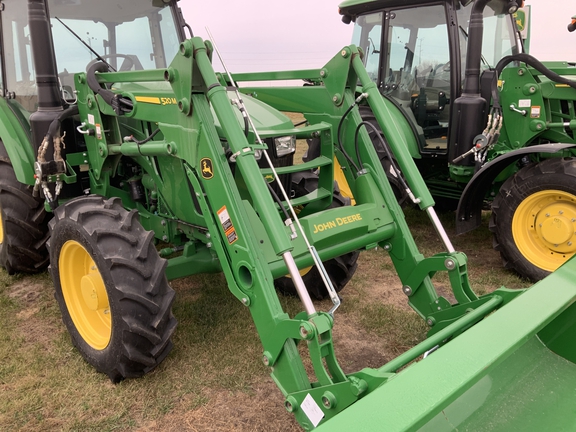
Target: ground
213 380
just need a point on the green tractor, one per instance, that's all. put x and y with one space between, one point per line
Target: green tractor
487 125
127 161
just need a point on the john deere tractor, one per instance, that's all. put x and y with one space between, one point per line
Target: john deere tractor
127 161
488 126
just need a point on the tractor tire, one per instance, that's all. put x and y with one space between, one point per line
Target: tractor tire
23 223
111 287
534 218
339 269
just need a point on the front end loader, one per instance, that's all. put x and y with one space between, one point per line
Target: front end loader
143 165
493 127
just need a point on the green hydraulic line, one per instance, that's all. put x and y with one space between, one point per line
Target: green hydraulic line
288 258
382 113
218 96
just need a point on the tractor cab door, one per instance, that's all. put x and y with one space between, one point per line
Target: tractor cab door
18 78
417 57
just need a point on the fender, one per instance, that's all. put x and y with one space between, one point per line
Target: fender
15 134
468 214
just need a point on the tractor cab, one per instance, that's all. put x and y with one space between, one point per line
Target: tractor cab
415 51
127 35
124 35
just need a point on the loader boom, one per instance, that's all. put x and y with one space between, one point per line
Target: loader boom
161 177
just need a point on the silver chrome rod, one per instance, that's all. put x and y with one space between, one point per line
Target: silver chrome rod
440 229
317 261
299 284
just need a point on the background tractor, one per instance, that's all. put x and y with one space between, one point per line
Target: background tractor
128 162
485 123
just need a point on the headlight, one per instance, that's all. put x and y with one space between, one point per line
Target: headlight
285 145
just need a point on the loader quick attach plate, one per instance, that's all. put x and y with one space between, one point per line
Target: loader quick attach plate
498 376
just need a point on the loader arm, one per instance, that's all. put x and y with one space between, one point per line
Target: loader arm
498 359
169 155
238 228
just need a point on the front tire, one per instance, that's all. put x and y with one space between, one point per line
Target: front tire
111 287
23 223
534 218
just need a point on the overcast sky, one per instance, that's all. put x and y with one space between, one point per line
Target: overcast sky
260 35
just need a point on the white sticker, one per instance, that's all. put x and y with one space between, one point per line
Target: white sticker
224 218
91 119
524 103
312 410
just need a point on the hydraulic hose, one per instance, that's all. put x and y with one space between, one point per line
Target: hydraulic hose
117 102
55 125
530 61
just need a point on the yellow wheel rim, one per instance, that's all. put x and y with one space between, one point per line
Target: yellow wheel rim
303 272
544 228
85 295
1 229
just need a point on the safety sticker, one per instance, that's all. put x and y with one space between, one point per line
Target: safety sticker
535 112
312 410
227 225
524 103
98 131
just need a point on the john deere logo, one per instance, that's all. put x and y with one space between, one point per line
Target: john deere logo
206 168
520 16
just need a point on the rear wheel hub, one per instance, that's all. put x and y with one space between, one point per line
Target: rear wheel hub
544 228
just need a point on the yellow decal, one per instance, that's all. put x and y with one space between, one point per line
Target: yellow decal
168 101
337 222
206 168
148 99
156 100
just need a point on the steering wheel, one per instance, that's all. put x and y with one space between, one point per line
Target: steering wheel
129 61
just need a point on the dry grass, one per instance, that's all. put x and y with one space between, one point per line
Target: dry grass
213 379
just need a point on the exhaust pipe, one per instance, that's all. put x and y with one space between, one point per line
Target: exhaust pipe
469 113
48 89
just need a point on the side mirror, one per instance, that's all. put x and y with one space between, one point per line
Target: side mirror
572 25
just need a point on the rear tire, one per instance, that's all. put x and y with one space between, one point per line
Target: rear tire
23 223
111 287
534 218
339 269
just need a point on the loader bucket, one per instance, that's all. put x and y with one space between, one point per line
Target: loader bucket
513 371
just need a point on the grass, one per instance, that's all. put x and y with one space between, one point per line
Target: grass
213 379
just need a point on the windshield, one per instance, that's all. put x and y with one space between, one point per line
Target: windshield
409 56
418 39
128 34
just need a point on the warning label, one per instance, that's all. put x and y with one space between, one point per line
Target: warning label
227 225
